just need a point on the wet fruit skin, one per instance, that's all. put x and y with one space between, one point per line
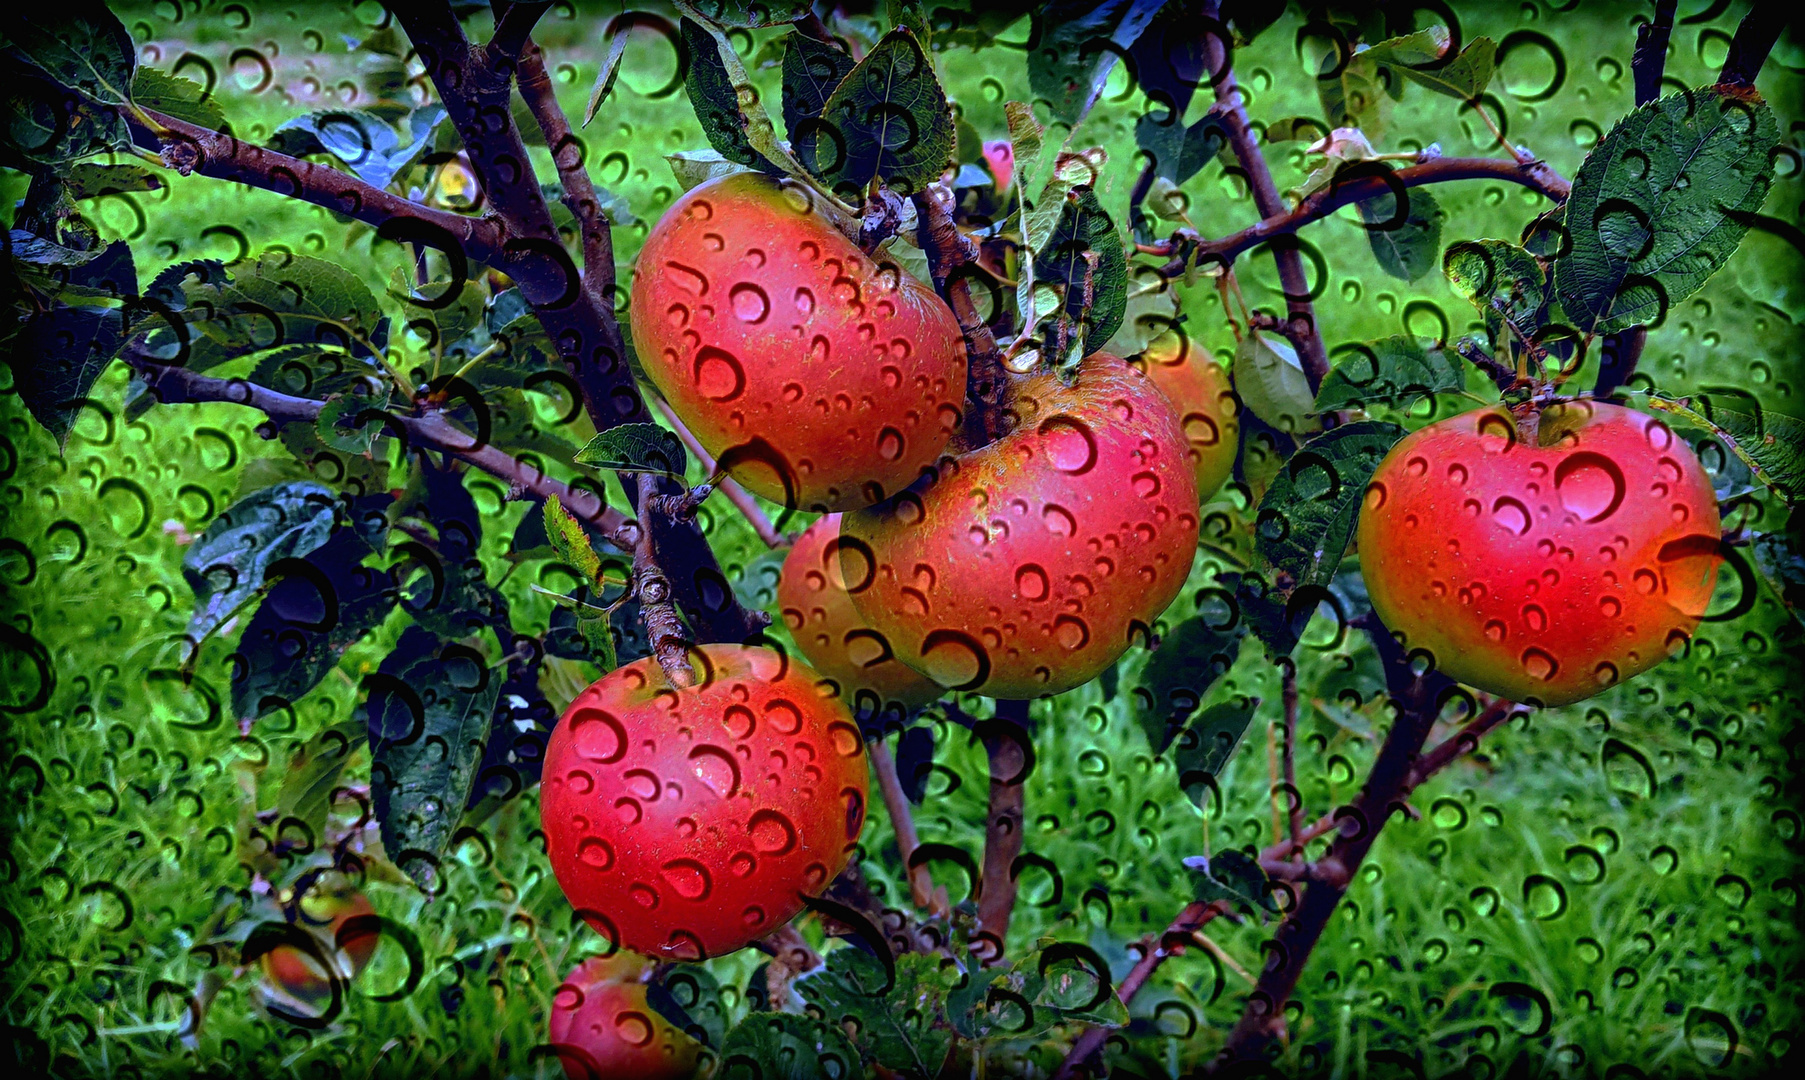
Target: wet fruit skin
602 1027
836 639
789 353
686 823
324 910
1199 390
1026 567
1542 573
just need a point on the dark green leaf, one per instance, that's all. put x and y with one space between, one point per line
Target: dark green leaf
752 14
689 998
1078 43
1189 660
1234 876
1271 382
1391 371
782 1046
1204 748
1661 203
889 120
49 125
902 1030
636 448
1360 95
364 141
1465 77
1179 153
93 181
55 358
1295 129
280 299
79 43
312 371
1771 444
716 101
1505 282
314 771
609 71
1421 47
1082 231
812 71
515 757
230 560
175 96
321 605
1405 249
351 422
429 722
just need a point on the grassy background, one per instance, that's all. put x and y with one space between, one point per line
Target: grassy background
1654 911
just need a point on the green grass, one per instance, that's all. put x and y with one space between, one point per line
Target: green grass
126 812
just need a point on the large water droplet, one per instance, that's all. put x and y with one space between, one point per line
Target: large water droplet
716 769
1068 444
598 736
1071 632
750 304
784 716
1511 514
1544 897
955 659
772 833
595 853
719 376
1538 664
689 878
1031 582
1590 485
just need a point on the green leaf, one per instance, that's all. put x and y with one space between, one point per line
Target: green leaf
1422 47
314 771
1505 282
1179 153
812 71
693 167
1392 371
1079 41
783 1046
1661 203
610 70
1026 138
1206 745
1189 660
1309 512
339 426
1295 129
571 543
280 299
1271 382
1405 249
79 43
429 723
1083 232
231 559
889 120
711 86
55 358
636 448
1234 876
1465 77
1359 95
93 181
365 142
49 125
1771 444
690 999
902 1030
175 96
752 14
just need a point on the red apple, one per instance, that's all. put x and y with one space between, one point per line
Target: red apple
602 1027
819 378
323 911
1542 571
689 822
1026 567
1199 390
835 638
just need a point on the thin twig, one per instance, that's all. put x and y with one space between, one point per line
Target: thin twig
1288 692
669 638
949 251
741 499
1154 951
1464 741
791 956
902 822
573 174
1005 738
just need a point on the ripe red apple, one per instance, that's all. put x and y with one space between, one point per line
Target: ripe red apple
1542 571
835 638
687 823
323 911
821 379
1027 566
602 1027
1199 390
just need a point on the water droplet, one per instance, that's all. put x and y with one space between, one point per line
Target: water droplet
644 895
1060 521
716 769
598 736
1416 466
1590 485
719 376
1375 495
1068 444
1146 484
1071 632
1606 673
689 878
595 852
1538 664
1660 436
750 304
1511 514
1626 769
739 721
634 1028
753 917
688 278
1535 618
1645 582
1457 473
1031 582
1544 897
1711 1036
783 716
772 833
742 864
854 802
1495 630
845 739
890 444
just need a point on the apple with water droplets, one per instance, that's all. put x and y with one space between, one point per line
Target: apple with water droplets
1198 388
601 1025
1542 567
686 823
836 640
819 378
1025 567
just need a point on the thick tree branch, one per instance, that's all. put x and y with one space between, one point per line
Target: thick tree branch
669 638
1311 352
1325 201
741 499
514 24
921 878
1755 38
176 385
1154 952
190 148
1006 741
1649 61
949 252
1417 699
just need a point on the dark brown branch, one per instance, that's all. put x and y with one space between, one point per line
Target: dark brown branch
190 148
949 251
573 173
669 638
1241 138
1464 741
1649 61
1755 38
176 385
1417 700
1325 201
1006 739
1154 952
902 822
1288 693
741 499
514 24
1501 375
791 955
